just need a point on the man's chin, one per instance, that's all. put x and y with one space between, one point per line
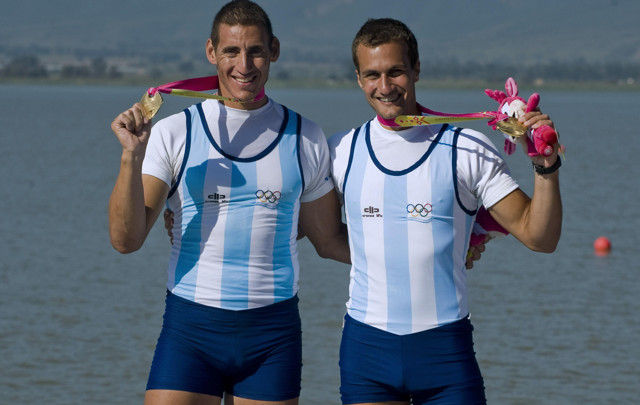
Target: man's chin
244 96
388 112
388 115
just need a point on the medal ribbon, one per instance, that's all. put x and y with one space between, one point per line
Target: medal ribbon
435 118
151 100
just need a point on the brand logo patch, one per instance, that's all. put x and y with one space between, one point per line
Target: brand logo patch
217 198
371 212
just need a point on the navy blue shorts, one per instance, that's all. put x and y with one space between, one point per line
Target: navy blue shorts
435 366
254 353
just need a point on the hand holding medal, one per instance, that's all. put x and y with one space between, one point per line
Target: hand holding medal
504 119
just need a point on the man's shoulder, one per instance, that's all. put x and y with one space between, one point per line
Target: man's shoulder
342 137
307 124
170 123
470 139
339 137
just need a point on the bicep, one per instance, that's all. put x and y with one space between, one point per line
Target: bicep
321 221
155 196
321 218
511 212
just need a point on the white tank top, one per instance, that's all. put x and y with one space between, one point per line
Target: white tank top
409 236
238 219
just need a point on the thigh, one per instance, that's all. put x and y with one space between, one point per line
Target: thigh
441 366
370 365
181 361
231 400
470 392
269 341
169 397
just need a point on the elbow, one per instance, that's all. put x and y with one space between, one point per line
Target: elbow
323 252
548 245
124 246
544 249
335 251
326 250
123 250
124 240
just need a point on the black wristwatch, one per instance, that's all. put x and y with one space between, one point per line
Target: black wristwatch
546 170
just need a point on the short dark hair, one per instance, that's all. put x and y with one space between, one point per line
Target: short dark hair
241 12
380 31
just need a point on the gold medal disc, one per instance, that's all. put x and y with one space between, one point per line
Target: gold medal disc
512 127
151 104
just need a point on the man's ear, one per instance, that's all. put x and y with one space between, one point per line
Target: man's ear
275 49
416 69
358 78
210 50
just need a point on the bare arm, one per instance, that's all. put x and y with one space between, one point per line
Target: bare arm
321 222
536 221
136 200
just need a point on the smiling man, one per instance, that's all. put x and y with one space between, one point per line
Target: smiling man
407 336
240 176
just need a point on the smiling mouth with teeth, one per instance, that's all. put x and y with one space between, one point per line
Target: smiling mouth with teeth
389 100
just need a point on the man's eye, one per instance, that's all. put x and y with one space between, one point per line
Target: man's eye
259 53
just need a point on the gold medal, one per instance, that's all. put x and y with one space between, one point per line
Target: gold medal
512 127
151 104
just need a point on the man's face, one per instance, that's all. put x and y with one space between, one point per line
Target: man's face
243 56
388 79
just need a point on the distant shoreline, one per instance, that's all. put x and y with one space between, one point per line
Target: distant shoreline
459 84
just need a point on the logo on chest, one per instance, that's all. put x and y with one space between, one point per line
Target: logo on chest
371 212
419 212
268 198
217 198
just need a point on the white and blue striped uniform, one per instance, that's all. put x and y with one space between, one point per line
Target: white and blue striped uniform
235 219
409 227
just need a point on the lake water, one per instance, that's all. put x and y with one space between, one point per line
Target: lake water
79 321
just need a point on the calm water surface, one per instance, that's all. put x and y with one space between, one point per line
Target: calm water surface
79 321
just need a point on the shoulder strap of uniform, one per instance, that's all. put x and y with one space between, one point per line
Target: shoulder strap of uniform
298 131
187 149
454 168
351 153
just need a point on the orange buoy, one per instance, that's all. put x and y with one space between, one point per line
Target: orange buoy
602 246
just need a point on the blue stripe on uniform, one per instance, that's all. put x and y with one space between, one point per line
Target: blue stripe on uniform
445 288
352 208
396 254
283 287
187 263
237 239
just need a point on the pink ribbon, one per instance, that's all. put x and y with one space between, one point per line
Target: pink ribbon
196 84
485 114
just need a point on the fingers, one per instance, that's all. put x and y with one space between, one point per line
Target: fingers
133 120
168 219
132 128
474 254
535 119
468 264
168 223
136 118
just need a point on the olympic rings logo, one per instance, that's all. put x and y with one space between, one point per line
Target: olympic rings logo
268 196
419 209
